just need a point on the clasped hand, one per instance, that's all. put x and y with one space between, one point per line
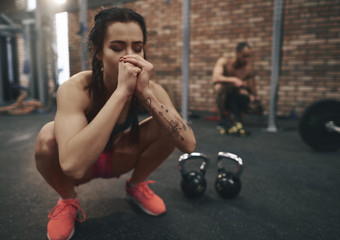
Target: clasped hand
134 73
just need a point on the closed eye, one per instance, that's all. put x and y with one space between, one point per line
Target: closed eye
117 47
138 50
137 47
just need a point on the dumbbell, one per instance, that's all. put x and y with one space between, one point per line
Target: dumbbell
228 183
193 183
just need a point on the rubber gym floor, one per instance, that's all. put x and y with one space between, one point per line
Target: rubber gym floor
288 190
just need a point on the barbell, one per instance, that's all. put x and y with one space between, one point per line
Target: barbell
319 125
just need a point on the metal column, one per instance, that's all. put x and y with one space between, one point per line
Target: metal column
185 58
276 60
29 53
2 97
10 60
83 31
41 54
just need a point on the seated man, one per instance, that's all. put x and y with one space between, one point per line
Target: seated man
235 88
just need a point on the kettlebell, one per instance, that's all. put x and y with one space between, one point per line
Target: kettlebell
228 184
193 183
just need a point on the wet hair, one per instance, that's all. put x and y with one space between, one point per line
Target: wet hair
96 86
108 16
240 46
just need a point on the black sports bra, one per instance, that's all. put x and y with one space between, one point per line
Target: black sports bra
131 121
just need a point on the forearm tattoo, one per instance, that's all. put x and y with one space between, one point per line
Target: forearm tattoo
174 126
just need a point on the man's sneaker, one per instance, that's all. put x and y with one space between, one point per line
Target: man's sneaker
222 130
223 126
62 216
145 198
238 130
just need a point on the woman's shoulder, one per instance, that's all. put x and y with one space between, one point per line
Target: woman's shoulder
81 78
75 87
78 81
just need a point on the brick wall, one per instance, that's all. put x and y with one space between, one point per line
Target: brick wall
311 53
310 67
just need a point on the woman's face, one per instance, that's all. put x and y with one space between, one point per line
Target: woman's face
120 39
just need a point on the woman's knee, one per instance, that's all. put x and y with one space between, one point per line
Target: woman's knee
46 145
150 130
161 135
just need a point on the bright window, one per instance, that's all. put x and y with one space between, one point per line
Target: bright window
31 5
63 62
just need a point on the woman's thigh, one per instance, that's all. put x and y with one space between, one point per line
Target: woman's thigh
47 157
125 154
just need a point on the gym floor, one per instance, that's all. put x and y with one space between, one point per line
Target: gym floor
288 190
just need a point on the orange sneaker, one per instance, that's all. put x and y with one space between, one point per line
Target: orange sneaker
145 198
62 216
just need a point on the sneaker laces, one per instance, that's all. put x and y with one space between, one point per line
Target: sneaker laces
144 190
65 205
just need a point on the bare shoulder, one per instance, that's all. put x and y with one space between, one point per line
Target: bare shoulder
76 84
73 91
222 61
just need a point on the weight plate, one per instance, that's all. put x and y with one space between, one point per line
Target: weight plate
312 125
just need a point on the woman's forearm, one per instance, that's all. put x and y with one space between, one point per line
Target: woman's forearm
179 132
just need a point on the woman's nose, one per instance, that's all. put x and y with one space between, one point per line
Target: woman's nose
129 51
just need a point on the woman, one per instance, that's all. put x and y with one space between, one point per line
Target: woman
91 135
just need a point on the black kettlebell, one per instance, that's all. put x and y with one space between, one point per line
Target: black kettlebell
228 184
193 183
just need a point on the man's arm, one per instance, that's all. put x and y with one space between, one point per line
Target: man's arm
252 86
218 76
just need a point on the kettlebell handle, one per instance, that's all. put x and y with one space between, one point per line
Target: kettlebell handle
234 158
195 155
